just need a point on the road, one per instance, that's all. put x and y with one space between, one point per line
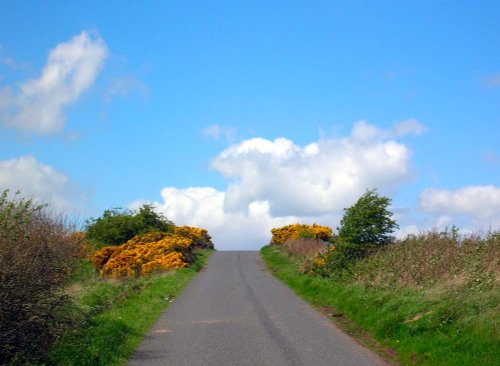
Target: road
236 313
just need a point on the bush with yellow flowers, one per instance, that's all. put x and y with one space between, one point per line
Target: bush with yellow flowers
151 252
296 231
199 236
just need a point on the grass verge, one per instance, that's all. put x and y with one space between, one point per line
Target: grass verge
406 325
115 315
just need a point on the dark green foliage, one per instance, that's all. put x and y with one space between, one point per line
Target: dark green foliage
366 225
116 226
149 220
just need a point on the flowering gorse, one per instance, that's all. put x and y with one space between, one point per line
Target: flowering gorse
151 252
296 231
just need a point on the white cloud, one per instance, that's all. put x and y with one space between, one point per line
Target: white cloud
272 183
324 176
480 203
40 181
216 132
71 68
248 229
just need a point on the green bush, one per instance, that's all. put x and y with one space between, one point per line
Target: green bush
366 225
116 226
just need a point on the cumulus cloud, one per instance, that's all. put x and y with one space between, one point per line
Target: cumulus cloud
39 181
272 183
71 68
480 204
315 179
248 229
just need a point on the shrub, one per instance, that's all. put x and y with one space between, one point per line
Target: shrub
334 263
37 250
151 252
296 231
116 226
366 225
199 236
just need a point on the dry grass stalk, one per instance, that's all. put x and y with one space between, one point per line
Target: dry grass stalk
305 248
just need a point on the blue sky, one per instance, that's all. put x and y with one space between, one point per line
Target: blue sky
242 116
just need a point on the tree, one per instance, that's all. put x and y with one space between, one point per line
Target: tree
150 220
367 224
116 226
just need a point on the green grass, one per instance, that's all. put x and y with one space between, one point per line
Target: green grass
115 315
409 325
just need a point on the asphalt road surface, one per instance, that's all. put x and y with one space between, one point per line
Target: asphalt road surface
236 313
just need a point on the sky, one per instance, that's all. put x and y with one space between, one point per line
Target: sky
241 116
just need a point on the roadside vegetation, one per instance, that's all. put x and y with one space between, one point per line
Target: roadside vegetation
429 299
72 297
37 250
115 315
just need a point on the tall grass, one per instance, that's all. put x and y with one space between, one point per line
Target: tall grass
433 298
440 260
305 248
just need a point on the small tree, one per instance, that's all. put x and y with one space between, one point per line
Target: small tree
116 226
367 224
150 220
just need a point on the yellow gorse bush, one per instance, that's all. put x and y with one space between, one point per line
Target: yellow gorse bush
151 252
295 231
164 263
199 236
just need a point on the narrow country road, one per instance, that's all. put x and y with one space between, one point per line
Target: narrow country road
235 313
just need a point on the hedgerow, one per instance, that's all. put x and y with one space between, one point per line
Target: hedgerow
37 252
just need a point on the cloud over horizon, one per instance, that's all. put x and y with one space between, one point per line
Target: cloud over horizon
39 104
479 204
315 179
276 182
39 181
